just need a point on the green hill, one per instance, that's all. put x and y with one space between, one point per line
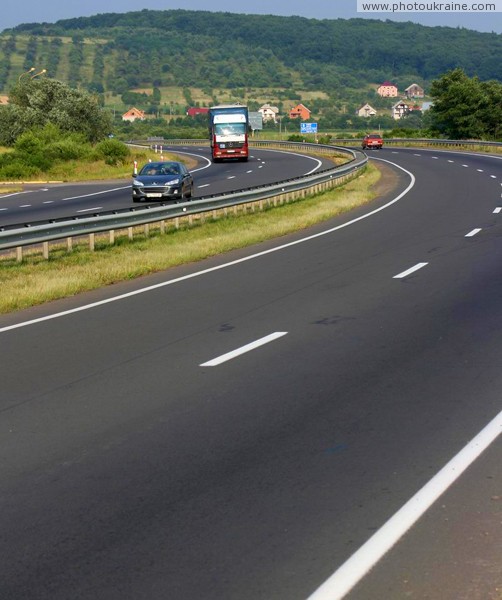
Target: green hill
211 52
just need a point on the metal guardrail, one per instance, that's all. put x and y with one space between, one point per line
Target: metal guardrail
116 220
427 141
72 227
343 141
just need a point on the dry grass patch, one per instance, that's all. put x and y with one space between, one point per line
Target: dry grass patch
9 189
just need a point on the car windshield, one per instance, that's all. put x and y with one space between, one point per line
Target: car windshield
153 170
375 136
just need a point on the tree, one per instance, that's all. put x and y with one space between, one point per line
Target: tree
491 112
465 107
36 102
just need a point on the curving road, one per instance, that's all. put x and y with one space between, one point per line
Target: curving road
239 428
45 202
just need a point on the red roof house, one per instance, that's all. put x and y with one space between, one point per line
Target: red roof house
300 111
387 90
195 110
132 114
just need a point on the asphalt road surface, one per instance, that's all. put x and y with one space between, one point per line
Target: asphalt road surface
39 202
239 428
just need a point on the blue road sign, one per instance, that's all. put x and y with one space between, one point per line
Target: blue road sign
308 127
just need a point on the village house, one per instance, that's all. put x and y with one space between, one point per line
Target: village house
400 109
132 114
4 100
387 90
366 111
196 110
414 91
269 113
300 110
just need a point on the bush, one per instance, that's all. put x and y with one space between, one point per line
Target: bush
68 149
28 143
18 170
39 160
112 151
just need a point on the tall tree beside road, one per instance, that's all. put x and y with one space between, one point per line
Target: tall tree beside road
465 107
36 102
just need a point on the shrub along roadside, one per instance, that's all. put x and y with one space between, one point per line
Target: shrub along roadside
71 158
37 281
46 152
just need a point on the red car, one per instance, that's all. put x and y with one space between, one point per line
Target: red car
372 140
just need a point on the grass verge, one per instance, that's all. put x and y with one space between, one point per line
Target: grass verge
9 189
37 281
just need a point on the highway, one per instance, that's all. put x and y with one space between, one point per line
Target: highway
43 202
239 428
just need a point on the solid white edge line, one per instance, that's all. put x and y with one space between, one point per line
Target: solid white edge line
364 559
16 194
472 233
84 210
410 271
206 166
223 266
243 349
96 193
319 162
463 153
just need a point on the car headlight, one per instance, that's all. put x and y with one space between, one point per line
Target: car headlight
138 183
174 182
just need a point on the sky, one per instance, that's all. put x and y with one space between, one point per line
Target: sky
34 11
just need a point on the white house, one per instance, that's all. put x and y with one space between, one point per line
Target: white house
400 109
366 111
269 113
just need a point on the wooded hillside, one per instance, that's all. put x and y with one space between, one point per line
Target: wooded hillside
148 49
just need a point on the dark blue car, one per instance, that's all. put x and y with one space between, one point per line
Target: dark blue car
162 181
